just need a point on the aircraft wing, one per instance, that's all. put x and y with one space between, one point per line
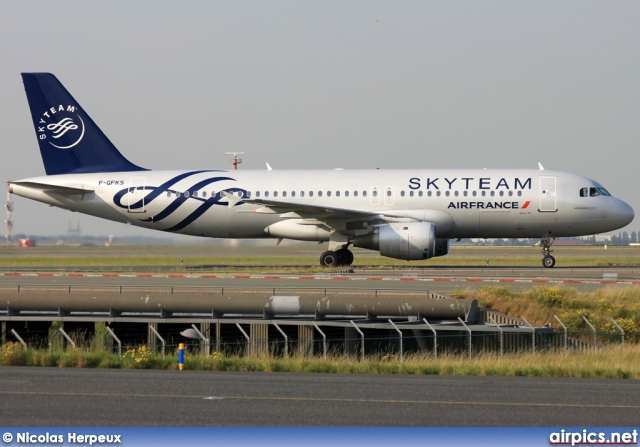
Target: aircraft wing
317 214
54 189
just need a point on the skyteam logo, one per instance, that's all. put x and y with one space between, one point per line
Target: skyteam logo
151 193
61 126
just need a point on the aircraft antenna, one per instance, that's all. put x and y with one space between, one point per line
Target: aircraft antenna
8 221
235 161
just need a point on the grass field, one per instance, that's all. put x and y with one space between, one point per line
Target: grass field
607 363
300 254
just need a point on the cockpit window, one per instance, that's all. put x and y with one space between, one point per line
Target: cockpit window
604 192
594 192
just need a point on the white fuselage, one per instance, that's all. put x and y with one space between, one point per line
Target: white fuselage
462 203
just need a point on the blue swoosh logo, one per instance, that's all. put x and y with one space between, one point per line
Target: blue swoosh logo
157 191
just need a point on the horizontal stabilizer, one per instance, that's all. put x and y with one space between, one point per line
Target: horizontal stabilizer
55 189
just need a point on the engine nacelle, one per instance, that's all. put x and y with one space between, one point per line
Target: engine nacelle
442 247
408 241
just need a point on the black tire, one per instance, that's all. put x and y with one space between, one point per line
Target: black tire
345 257
548 261
329 259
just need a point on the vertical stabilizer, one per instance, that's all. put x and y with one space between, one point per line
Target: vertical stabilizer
70 142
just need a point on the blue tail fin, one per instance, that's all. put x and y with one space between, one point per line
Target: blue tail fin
70 142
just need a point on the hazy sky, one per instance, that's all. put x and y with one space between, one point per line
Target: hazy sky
326 84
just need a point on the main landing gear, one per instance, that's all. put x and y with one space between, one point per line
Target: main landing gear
547 260
338 258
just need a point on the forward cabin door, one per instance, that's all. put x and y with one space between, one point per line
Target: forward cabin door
548 196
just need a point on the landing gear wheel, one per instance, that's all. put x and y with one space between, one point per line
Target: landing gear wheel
329 259
345 257
548 261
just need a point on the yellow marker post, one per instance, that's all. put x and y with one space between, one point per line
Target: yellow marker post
181 356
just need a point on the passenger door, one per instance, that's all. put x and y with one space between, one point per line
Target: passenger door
548 195
137 194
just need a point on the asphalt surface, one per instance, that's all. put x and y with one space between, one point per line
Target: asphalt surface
97 397
582 279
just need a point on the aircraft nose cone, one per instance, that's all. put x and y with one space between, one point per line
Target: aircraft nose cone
624 213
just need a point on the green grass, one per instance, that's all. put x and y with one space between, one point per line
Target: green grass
273 257
541 303
611 362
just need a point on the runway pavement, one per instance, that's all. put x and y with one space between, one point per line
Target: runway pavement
438 281
98 397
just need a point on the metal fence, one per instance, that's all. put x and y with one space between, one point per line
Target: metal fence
359 338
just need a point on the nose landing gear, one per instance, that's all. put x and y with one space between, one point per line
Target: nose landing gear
548 261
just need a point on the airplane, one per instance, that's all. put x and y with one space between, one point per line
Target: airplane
409 214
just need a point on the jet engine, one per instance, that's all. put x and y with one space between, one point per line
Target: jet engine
442 247
408 241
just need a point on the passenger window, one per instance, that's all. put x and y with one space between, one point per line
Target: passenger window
186 194
293 193
346 193
328 193
438 193
310 193
364 193
375 193
474 193
428 193
584 192
168 193
493 193
401 193
410 193
355 193
519 193
447 193
319 193
195 193
257 193
510 193
420 193
275 193
266 193
337 193
464 193
248 194
301 193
